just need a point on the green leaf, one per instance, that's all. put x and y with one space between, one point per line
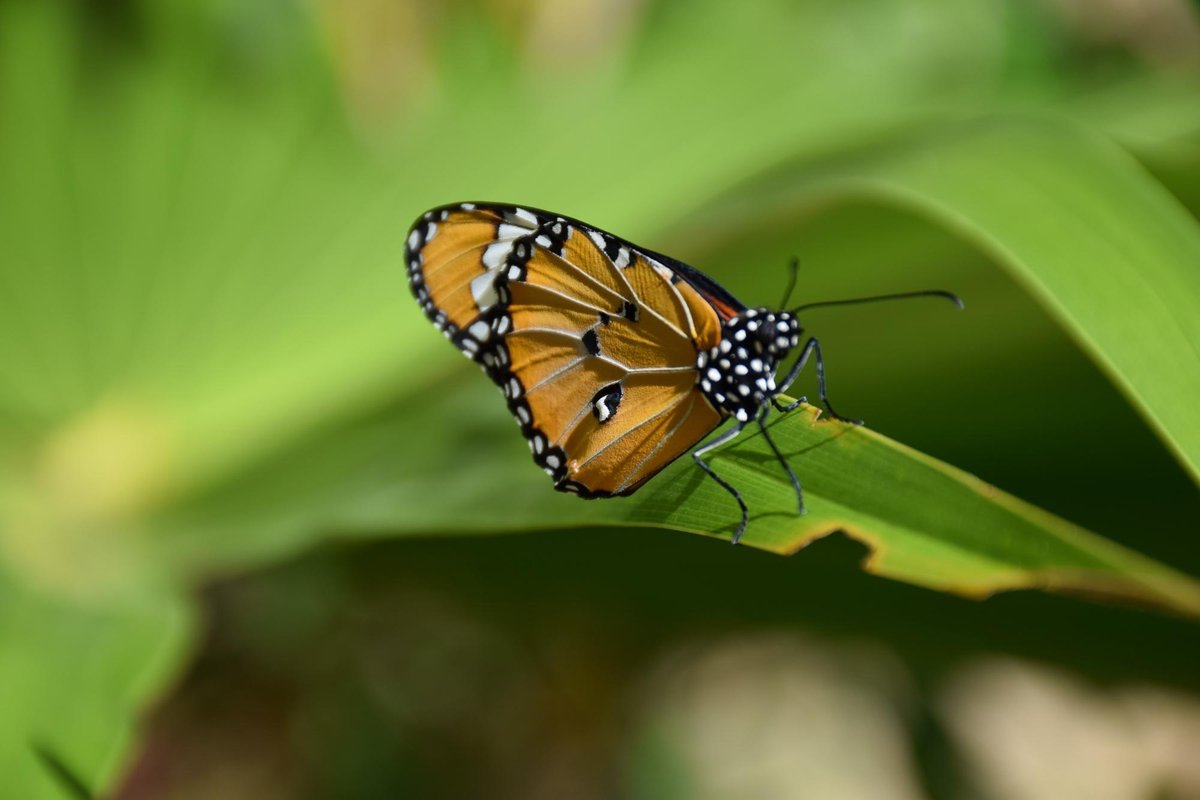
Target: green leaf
202 302
1100 244
925 522
76 676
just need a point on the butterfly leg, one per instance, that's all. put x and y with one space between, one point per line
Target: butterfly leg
811 347
790 378
698 457
761 419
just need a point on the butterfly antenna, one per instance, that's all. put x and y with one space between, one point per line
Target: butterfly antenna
794 266
951 296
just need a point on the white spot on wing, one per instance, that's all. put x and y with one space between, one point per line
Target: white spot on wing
480 329
662 271
527 217
496 254
483 289
506 231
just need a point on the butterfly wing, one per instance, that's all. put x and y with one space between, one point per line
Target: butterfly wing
592 340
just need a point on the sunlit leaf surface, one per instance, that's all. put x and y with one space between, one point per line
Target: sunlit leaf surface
1111 255
74 679
925 521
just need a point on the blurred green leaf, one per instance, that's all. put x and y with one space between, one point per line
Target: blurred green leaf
207 358
1084 228
926 522
938 528
75 676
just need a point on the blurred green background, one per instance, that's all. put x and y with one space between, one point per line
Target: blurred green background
231 450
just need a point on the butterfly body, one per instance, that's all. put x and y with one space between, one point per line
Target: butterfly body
613 359
738 375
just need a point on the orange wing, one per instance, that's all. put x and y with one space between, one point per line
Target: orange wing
592 340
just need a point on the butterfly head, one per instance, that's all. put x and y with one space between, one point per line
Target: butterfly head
774 333
738 375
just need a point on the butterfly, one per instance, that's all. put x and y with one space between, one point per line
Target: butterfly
615 360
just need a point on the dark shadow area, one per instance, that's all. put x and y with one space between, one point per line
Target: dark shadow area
454 666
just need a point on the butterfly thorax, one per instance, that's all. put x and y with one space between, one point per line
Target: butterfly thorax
738 375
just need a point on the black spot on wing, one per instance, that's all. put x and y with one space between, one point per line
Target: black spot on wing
606 402
591 342
552 234
612 247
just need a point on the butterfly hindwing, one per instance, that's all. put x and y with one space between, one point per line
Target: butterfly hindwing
593 341
656 420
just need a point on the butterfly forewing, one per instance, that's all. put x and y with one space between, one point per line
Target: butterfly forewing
593 341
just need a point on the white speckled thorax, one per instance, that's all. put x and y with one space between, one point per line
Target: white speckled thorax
738 375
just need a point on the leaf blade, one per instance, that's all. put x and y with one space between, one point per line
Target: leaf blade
1074 219
75 679
924 521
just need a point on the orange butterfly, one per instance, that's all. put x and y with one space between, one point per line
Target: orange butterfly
615 360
